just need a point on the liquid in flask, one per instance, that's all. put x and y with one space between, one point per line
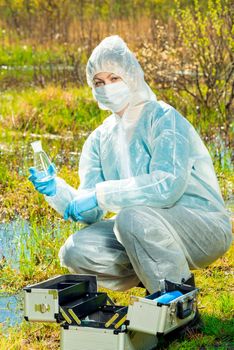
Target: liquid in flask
41 161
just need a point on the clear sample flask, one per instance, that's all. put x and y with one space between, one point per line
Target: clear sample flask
41 161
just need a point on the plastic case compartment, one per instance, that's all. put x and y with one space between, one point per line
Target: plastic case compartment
102 330
146 315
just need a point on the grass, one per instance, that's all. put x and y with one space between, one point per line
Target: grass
24 65
50 110
63 118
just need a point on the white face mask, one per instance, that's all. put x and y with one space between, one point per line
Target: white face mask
113 97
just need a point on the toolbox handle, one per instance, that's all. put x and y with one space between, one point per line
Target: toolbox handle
181 313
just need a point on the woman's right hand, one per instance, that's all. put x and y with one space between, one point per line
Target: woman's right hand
80 204
47 186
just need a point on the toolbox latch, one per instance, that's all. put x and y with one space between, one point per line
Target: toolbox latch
184 313
42 308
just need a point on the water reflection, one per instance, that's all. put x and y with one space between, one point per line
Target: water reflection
11 237
11 309
12 234
17 241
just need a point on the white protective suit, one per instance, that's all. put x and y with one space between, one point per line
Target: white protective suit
151 167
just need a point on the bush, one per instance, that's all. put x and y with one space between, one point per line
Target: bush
196 60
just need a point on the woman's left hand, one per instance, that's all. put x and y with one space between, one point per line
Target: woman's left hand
44 182
80 204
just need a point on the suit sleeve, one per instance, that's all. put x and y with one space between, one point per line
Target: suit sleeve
90 174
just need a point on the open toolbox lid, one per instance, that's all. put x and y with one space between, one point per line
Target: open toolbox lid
50 300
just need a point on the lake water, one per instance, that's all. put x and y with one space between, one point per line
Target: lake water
14 239
11 309
11 238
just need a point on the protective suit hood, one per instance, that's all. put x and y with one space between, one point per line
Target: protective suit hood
113 55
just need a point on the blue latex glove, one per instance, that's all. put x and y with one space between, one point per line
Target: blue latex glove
80 204
47 186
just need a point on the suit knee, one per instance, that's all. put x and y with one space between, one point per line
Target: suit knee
139 221
70 254
127 222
